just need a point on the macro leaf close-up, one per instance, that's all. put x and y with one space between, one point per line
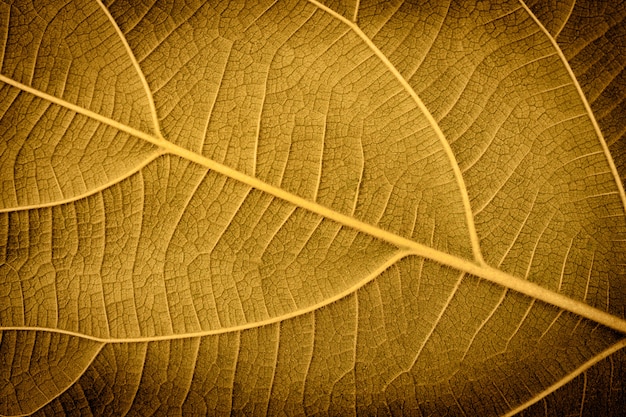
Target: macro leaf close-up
312 207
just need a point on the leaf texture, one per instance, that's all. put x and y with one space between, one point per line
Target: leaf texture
591 36
303 208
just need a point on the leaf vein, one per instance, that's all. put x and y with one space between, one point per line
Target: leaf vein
135 63
444 143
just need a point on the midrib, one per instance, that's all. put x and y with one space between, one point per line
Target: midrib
406 246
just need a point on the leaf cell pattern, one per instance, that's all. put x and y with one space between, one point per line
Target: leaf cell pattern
312 208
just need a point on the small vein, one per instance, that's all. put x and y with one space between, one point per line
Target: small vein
569 14
532 255
133 59
40 35
194 358
569 377
260 15
582 400
70 385
388 19
391 261
587 155
431 43
499 389
144 354
54 280
321 158
554 320
190 196
356 341
310 361
165 81
502 16
268 245
360 183
235 366
102 256
132 286
610 193
5 36
257 135
608 293
210 112
530 210
593 256
456 400
484 322
569 249
274 368
501 123
501 186
56 180
91 192
430 332
519 325
355 15
139 18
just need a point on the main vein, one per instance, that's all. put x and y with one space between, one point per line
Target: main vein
406 246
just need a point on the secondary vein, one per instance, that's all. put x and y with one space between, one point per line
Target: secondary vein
469 217
133 60
585 102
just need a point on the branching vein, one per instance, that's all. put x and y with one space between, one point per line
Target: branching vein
446 146
406 246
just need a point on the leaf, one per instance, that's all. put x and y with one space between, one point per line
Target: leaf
305 208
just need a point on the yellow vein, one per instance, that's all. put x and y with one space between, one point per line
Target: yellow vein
356 11
61 392
90 192
346 292
86 112
407 246
133 60
270 392
585 102
469 217
569 377
482 324
194 360
569 14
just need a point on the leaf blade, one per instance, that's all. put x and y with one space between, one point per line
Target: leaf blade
175 184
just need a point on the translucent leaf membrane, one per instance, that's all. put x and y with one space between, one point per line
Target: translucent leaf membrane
292 96
591 393
362 353
591 36
44 148
248 208
38 366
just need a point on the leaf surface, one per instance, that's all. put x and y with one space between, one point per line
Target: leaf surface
592 39
303 208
